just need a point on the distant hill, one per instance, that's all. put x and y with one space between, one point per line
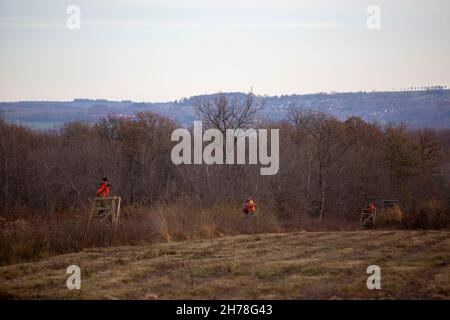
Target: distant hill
426 108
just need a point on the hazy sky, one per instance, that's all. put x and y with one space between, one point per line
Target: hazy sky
159 50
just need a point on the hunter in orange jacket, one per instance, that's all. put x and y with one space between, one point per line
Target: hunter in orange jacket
104 189
249 206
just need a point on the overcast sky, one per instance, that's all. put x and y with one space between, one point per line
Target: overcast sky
159 50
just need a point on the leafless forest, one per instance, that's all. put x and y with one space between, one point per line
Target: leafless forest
328 172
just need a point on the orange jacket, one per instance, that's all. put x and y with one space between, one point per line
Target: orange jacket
251 206
104 190
371 208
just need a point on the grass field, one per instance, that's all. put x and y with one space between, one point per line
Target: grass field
305 265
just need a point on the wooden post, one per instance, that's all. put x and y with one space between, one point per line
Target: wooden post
113 210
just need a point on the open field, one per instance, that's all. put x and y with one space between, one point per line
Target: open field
305 265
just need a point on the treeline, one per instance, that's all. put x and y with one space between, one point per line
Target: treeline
328 168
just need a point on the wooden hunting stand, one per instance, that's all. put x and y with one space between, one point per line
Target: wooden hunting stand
105 208
367 218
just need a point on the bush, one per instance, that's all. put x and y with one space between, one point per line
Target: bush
389 217
430 215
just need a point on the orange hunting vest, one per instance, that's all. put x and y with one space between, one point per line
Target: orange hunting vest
251 206
104 190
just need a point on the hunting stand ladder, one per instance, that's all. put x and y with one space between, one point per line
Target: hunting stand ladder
105 208
367 218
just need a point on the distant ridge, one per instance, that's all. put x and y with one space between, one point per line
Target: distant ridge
417 108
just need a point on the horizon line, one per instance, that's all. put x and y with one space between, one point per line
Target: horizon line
410 89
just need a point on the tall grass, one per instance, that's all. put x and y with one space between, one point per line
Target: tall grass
25 236
431 214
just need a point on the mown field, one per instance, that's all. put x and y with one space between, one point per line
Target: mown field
304 265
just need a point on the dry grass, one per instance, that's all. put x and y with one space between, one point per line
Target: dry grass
303 265
30 237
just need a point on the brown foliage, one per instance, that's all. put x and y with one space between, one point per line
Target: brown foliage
328 170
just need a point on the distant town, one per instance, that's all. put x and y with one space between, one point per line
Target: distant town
417 106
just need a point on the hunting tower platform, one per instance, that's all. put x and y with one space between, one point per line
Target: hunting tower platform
105 208
367 218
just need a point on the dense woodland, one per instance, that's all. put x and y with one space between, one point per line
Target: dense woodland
328 172
327 167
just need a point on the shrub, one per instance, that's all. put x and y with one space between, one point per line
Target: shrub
389 217
430 215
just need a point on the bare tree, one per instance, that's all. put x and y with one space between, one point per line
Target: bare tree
223 113
318 136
